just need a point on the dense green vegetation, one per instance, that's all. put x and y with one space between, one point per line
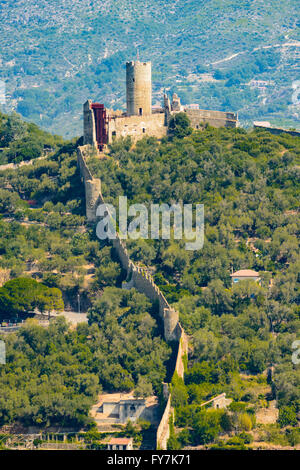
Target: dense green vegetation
48 77
240 335
53 375
22 295
21 141
248 183
42 227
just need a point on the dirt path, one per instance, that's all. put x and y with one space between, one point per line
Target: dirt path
226 59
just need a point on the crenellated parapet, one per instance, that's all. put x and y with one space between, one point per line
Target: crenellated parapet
143 282
93 195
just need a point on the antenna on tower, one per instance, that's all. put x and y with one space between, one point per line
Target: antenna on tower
137 54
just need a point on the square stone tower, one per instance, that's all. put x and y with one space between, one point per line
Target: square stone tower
138 88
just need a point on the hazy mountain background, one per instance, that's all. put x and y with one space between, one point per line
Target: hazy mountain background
229 55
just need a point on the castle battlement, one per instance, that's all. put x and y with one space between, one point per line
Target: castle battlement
143 282
101 126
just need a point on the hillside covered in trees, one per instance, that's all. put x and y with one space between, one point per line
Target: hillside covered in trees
240 335
239 56
22 141
49 257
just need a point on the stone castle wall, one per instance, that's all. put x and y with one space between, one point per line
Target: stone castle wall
155 124
141 280
163 430
139 119
213 118
137 126
182 350
15 166
277 130
121 125
92 199
138 277
92 185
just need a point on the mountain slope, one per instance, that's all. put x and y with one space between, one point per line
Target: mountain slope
54 56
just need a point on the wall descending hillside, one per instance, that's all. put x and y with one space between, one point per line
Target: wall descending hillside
214 118
143 282
163 430
93 195
277 130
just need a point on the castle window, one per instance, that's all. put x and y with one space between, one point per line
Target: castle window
141 111
144 130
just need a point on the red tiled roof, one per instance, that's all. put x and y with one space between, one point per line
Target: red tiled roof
245 273
120 440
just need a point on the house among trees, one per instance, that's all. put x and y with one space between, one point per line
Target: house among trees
120 443
218 402
245 274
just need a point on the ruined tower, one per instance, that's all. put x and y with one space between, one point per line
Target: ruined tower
94 125
89 128
138 88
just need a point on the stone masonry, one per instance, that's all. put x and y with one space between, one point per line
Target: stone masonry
142 282
140 119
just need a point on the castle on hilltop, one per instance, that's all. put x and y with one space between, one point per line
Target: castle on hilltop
101 126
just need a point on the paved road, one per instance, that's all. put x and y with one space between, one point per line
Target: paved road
73 317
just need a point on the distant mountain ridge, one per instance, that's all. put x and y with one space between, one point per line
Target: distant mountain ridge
241 56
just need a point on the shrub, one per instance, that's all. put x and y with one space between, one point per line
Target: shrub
184 437
247 438
237 406
179 125
245 422
287 416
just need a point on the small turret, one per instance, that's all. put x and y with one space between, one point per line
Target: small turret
176 104
171 319
92 196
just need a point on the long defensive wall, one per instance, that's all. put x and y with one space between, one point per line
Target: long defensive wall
139 279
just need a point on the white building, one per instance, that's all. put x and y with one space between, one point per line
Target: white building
120 443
